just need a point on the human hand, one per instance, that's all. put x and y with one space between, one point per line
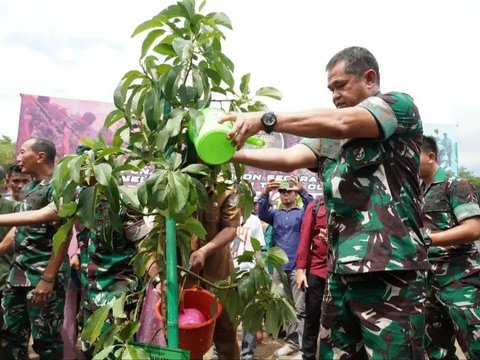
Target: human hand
244 126
42 293
197 260
301 279
297 185
75 262
270 186
323 235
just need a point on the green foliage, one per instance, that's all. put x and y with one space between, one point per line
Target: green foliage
182 70
7 151
469 176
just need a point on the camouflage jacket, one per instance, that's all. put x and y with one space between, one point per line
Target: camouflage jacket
105 257
6 207
446 202
33 244
373 194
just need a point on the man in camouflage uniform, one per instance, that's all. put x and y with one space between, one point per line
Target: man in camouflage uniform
6 207
212 258
34 298
374 301
452 216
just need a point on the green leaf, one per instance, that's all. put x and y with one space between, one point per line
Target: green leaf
182 47
118 308
104 353
244 89
113 117
199 169
74 166
130 193
193 226
156 21
61 235
253 318
269 92
120 92
256 244
220 18
174 123
278 254
86 206
103 173
67 209
95 323
151 37
129 330
272 323
181 188
153 110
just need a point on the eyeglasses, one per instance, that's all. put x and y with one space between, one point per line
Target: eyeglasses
282 191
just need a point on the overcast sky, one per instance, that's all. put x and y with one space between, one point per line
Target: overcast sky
429 49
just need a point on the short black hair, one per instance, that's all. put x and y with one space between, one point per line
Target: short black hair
429 144
46 146
14 168
357 61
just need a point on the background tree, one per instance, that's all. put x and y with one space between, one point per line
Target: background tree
182 70
7 151
463 172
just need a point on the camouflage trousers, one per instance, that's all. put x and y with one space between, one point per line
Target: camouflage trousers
20 319
453 311
374 315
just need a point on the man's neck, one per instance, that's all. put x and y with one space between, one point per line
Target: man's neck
43 172
428 179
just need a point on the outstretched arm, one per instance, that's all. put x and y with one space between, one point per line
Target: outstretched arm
467 231
225 236
287 160
31 217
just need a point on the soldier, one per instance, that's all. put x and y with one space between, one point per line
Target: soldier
377 267
452 217
212 258
34 298
106 270
6 207
16 180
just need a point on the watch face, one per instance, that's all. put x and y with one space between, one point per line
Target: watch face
269 119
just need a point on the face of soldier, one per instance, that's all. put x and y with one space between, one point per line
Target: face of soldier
16 182
27 158
426 161
348 90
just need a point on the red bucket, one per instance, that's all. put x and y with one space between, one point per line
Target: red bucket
196 338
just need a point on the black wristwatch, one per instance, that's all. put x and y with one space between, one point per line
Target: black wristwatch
427 240
268 121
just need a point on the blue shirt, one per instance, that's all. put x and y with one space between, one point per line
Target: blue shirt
286 225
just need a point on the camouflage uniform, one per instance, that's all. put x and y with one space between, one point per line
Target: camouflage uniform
106 270
453 303
6 207
377 262
32 251
221 212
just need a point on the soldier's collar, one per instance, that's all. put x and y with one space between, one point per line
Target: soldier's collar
439 176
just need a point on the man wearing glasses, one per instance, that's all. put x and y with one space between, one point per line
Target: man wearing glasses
286 222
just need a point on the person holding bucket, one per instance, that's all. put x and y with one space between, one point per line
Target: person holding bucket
211 258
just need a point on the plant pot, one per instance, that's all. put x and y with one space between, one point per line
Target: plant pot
196 338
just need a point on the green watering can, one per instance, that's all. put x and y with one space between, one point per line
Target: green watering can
210 137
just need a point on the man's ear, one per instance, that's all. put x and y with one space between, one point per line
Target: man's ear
432 157
41 157
370 77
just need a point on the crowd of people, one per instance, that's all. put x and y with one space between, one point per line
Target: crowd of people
383 265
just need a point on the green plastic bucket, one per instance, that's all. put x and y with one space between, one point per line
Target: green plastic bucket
210 138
